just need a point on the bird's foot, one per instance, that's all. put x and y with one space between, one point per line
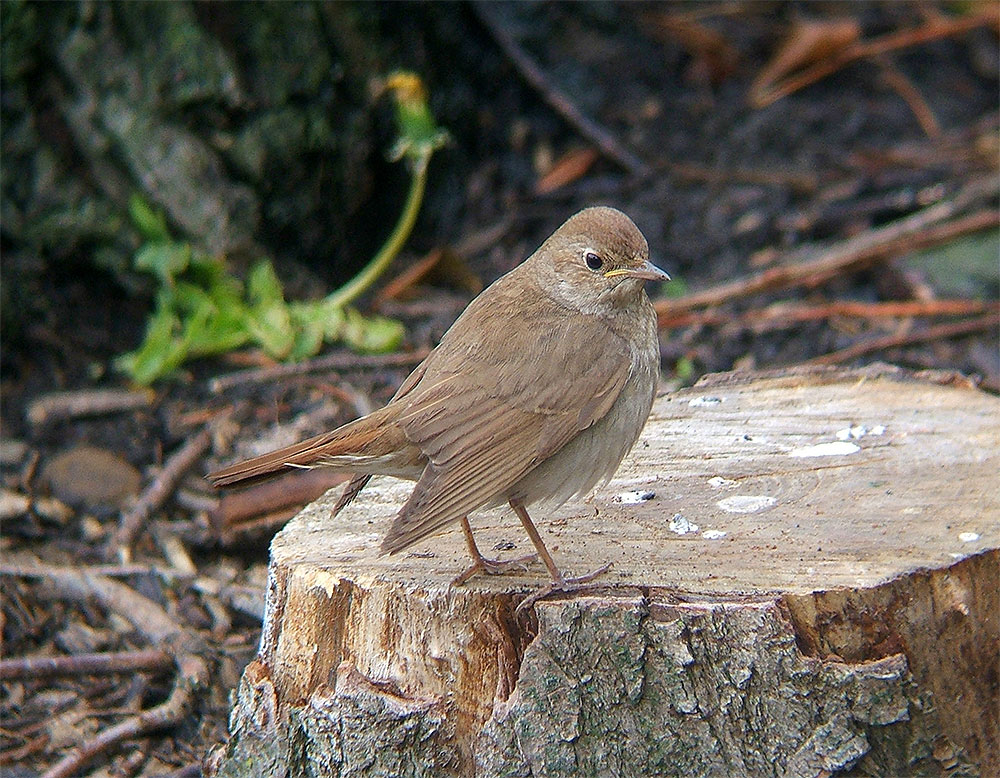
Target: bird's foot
493 567
562 586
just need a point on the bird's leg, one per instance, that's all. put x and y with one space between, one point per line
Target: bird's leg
559 582
484 565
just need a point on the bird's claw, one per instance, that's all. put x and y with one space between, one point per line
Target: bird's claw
562 586
493 567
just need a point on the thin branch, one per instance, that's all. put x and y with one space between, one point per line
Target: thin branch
154 623
556 99
157 493
173 710
906 89
934 29
88 402
108 663
38 570
928 227
782 315
238 508
938 332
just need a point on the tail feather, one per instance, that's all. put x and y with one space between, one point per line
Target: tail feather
360 438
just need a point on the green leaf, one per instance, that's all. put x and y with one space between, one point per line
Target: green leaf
164 260
375 334
152 225
161 351
271 327
308 340
684 369
263 286
965 267
269 319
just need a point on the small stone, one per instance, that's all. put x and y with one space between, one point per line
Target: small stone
12 452
92 478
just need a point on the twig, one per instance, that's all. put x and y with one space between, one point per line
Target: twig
32 570
109 663
788 314
338 360
938 332
780 315
89 402
562 105
157 493
409 277
917 231
167 714
154 623
934 29
22 752
803 182
294 489
911 96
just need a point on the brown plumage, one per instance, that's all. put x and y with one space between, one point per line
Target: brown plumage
536 393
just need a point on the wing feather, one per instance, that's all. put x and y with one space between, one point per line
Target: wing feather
509 412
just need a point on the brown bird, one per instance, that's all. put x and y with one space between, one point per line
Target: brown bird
535 394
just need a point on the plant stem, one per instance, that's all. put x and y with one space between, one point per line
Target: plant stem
357 285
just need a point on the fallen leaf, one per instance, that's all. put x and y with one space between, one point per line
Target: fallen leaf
809 42
570 167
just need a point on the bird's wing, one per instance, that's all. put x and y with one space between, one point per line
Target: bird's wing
485 415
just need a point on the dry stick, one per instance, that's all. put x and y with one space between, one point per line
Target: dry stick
932 30
914 232
938 332
37 570
788 314
167 713
154 623
531 73
156 493
339 360
911 96
107 663
291 490
801 182
22 752
88 402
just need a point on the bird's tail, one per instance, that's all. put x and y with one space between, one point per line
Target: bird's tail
346 448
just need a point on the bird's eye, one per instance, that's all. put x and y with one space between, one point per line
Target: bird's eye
594 262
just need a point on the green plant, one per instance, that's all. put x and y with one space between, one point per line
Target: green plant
202 310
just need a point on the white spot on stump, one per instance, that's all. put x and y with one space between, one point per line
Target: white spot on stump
859 431
681 526
634 496
746 503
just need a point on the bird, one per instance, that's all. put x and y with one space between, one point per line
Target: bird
533 396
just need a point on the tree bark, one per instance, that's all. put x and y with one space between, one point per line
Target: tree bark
804 583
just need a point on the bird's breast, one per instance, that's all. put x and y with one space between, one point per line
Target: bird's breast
593 454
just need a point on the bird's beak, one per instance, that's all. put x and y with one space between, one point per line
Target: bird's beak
647 271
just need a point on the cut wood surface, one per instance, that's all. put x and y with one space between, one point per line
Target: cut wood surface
804 582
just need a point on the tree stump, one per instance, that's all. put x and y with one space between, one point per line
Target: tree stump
804 583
